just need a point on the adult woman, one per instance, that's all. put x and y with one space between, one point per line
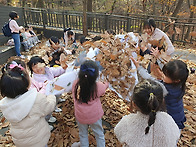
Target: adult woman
15 31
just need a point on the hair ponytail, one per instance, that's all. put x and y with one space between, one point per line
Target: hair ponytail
153 104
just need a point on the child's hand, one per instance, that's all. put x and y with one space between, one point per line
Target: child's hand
135 62
63 60
155 52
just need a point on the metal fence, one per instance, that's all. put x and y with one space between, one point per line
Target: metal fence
99 22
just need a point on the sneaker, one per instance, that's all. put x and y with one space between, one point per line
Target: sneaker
57 109
31 46
76 144
61 100
51 127
22 56
52 119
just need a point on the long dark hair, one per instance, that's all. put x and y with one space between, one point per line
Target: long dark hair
177 71
148 97
86 88
14 81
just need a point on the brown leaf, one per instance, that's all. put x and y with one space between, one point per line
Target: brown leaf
190 108
113 57
193 34
4 125
3 119
178 30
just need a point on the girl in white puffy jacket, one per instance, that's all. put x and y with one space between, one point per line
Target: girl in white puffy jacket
149 127
25 109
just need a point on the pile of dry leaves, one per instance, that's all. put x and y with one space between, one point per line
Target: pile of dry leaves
65 129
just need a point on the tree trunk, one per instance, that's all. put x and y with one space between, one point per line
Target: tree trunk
190 18
23 3
179 4
89 9
144 5
9 2
113 6
40 4
85 31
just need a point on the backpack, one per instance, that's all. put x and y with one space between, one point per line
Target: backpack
6 30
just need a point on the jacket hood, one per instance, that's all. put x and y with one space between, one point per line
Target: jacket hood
18 108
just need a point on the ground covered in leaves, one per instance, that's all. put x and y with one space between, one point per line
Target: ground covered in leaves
65 130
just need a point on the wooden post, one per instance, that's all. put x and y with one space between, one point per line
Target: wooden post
24 17
128 24
63 20
85 31
44 18
106 21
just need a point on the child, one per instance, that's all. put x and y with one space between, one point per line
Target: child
25 41
34 35
69 35
15 31
56 49
156 34
25 109
149 127
30 36
42 74
174 76
88 109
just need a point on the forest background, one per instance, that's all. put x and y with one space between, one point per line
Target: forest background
170 8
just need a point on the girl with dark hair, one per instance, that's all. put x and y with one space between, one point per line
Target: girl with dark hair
55 51
155 34
15 31
24 109
149 127
86 93
174 76
42 74
69 35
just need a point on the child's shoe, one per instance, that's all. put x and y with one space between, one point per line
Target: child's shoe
51 127
76 144
61 100
52 119
58 109
22 56
31 46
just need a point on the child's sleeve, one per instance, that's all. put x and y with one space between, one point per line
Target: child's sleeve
57 71
144 74
120 128
170 47
101 88
47 104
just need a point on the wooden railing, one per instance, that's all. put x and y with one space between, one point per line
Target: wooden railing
99 22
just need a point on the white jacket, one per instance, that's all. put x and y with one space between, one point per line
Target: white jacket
130 131
26 114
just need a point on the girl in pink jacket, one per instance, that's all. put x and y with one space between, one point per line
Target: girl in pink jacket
88 109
